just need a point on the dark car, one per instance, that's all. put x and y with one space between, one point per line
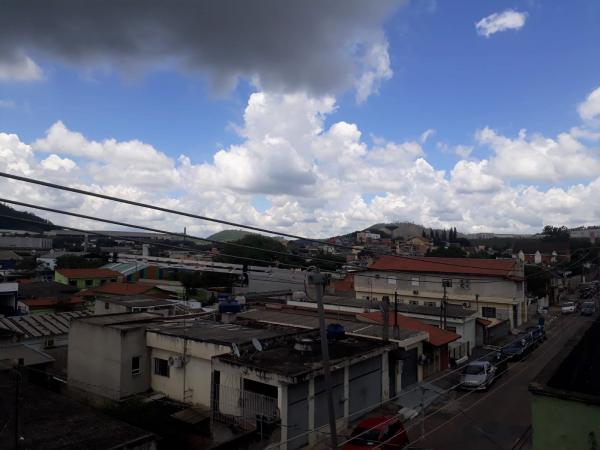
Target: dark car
588 309
520 347
538 334
382 433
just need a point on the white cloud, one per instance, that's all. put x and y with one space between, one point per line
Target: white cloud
20 68
506 20
426 135
7 104
319 178
375 69
590 108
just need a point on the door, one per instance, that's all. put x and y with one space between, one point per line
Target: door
409 368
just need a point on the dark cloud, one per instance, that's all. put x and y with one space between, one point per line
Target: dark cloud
301 44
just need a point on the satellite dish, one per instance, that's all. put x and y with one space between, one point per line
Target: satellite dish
236 349
257 345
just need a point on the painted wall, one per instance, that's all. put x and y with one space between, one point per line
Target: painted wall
493 291
560 424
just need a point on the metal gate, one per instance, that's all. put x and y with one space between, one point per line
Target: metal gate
409 368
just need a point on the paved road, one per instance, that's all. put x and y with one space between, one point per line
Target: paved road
498 418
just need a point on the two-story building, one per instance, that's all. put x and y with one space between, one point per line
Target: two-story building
86 278
494 288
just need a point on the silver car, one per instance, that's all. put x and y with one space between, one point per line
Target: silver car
477 375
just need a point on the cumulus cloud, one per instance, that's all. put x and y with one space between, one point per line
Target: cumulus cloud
589 109
506 20
18 67
318 178
320 47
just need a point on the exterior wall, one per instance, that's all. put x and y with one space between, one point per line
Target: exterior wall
80 282
491 291
100 307
99 360
562 424
190 383
25 242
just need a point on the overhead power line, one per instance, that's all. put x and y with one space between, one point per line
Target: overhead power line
221 221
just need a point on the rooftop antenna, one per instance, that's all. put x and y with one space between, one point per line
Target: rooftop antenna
257 345
236 350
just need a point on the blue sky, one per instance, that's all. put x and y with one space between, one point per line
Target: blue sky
446 77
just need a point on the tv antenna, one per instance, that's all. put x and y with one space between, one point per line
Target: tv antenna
257 345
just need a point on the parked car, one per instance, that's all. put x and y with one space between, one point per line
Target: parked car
519 348
588 309
568 308
478 375
538 334
382 432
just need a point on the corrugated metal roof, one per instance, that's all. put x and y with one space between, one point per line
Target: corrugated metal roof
126 268
39 325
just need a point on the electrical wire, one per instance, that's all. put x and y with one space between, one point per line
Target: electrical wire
220 221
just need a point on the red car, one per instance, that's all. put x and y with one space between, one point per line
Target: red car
381 433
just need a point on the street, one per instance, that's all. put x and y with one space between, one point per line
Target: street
500 417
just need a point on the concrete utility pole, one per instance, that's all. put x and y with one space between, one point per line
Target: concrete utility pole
316 278
385 308
396 333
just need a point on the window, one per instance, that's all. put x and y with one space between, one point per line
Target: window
161 367
415 281
72 282
432 304
486 311
391 280
413 302
135 366
106 305
465 284
49 343
89 282
453 329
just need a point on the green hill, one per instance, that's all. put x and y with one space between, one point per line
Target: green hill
9 220
229 235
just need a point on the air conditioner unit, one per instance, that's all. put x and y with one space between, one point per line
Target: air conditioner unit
415 292
176 362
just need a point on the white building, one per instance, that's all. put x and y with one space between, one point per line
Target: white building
494 288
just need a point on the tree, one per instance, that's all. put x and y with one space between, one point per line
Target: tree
450 252
423 233
444 235
551 233
257 255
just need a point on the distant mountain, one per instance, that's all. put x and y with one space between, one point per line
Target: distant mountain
229 235
9 220
396 229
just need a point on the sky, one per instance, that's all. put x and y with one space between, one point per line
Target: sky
314 118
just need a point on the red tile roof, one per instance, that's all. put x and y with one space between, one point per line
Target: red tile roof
506 268
437 336
50 301
123 288
89 273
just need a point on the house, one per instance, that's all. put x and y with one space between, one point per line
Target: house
85 278
282 383
404 367
414 245
495 288
541 252
49 297
25 242
8 261
115 305
565 405
9 303
363 237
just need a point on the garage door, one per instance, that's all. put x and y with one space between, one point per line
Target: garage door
365 386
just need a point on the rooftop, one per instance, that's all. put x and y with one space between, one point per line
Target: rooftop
51 421
115 320
9 255
126 268
575 376
504 268
437 336
38 325
88 273
216 332
284 360
122 288
137 301
308 319
45 289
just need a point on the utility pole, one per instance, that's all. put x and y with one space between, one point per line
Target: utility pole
396 333
385 307
316 278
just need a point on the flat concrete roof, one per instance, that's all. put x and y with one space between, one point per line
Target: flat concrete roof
217 332
30 355
107 320
286 361
309 320
136 302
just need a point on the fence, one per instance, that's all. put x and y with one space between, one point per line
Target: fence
243 408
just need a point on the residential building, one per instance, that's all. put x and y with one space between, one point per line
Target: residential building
85 278
115 305
495 288
282 383
9 303
541 252
25 242
565 405
363 237
414 246
48 296
8 261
